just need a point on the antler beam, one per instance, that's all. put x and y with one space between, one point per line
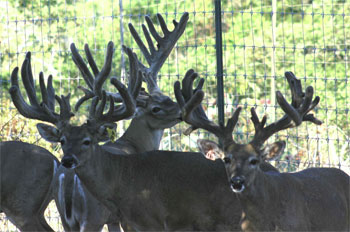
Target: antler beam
156 57
193 113
296 112
45 111
96 82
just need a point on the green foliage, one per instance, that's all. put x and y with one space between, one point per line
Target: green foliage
13 126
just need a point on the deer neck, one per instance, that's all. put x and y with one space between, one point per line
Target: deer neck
140 137
257 200
103 175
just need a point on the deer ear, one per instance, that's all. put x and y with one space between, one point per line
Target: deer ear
273 151
102 133
48 132
210 149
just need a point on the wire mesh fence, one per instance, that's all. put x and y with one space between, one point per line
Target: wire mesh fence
261 40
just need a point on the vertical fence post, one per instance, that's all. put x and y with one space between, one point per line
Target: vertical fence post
273 59
219 63
123 74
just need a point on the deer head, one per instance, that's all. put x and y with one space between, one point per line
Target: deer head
153 107
158 109
87 135
243 160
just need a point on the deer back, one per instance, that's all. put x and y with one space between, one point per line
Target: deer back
26 173
171 190
314 199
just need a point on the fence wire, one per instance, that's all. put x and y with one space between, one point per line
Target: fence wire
261 40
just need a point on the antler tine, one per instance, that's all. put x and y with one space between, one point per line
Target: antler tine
96 109
47 93
134 78
88 95
128 107
102 76
79 62
95 82
28 111
187 93
135 75
156 58
27 79
114 114
231 124
91 60
168 41
45 111
65 110
34 110
295 113
193 114
295 88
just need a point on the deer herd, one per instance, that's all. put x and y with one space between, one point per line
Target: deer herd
130 184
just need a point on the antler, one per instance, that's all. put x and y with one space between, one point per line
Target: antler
45 111
193 114
187 93
114 114
296 112
156 58
96 82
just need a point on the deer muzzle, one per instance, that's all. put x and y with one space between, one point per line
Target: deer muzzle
69 161
237 184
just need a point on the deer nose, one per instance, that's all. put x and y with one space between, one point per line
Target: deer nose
237 184
69 161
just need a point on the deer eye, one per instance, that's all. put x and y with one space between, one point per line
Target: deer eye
254 161
155 109
62 140
227 160
87 142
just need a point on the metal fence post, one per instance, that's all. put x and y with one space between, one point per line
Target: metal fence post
122 37
219 63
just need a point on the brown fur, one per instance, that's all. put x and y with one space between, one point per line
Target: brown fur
26 172
316 199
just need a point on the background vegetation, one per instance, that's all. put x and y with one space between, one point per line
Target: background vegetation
261 42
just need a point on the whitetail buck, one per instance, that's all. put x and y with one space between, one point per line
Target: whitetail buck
26 174
27 170
45 112
155 112
315 199
86 216
79 210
